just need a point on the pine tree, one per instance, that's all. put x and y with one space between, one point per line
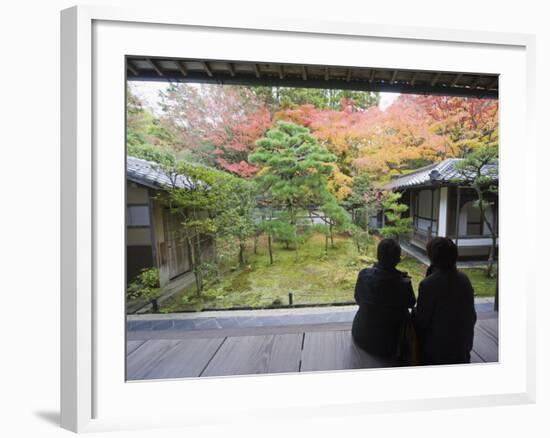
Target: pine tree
295 174
479 170
397 225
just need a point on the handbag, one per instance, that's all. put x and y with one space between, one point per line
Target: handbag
408 348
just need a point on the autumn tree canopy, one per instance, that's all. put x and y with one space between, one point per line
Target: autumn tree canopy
219 126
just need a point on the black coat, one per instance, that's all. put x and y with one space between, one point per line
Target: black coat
384 296
445 317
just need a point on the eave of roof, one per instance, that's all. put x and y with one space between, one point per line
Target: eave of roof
150 174
231 72
443 173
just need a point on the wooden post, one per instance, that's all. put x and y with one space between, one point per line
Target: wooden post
442 212
290 299
495 306
432 214
457 213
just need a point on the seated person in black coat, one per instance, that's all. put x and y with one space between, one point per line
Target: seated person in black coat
384 295
445 314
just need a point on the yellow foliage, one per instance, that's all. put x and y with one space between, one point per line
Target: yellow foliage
339 183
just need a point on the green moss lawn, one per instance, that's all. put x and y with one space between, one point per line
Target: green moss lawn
309 275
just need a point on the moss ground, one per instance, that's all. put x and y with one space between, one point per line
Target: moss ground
310 275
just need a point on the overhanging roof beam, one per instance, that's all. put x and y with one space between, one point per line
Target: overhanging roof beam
155 67
207 69
337 84
132 69
371 77
435 79
181 68
456 79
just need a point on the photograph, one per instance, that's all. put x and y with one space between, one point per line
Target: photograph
294 218
279 220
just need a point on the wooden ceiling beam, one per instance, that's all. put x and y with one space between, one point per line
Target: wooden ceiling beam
371 77
155 67
435 79
181 68
456 79
414 82
207 69
231 68
131 68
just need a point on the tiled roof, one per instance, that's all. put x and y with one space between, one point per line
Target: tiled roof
437 173
150 174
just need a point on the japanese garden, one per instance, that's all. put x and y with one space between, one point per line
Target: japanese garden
276 196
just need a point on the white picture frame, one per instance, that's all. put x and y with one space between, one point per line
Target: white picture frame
94 395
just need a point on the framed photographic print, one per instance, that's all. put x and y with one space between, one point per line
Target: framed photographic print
261 218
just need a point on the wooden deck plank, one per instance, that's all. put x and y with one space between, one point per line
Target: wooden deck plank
140 362
490 326
485 346
232 332
187 358
335 350
256 355
475 358
132 346
267 350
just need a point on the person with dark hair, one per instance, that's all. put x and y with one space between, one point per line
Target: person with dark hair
445 315
384 295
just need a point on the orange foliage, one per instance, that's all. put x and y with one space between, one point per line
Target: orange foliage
413 131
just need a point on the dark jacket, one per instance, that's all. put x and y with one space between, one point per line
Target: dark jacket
384 296
445 317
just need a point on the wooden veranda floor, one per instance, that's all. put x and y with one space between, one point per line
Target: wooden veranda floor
166 354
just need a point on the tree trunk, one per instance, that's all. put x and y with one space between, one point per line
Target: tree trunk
215 250
269 249
198 258
331 236
242 261
491 258
194 264
256 238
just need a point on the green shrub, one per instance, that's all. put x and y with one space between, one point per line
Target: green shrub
145 286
